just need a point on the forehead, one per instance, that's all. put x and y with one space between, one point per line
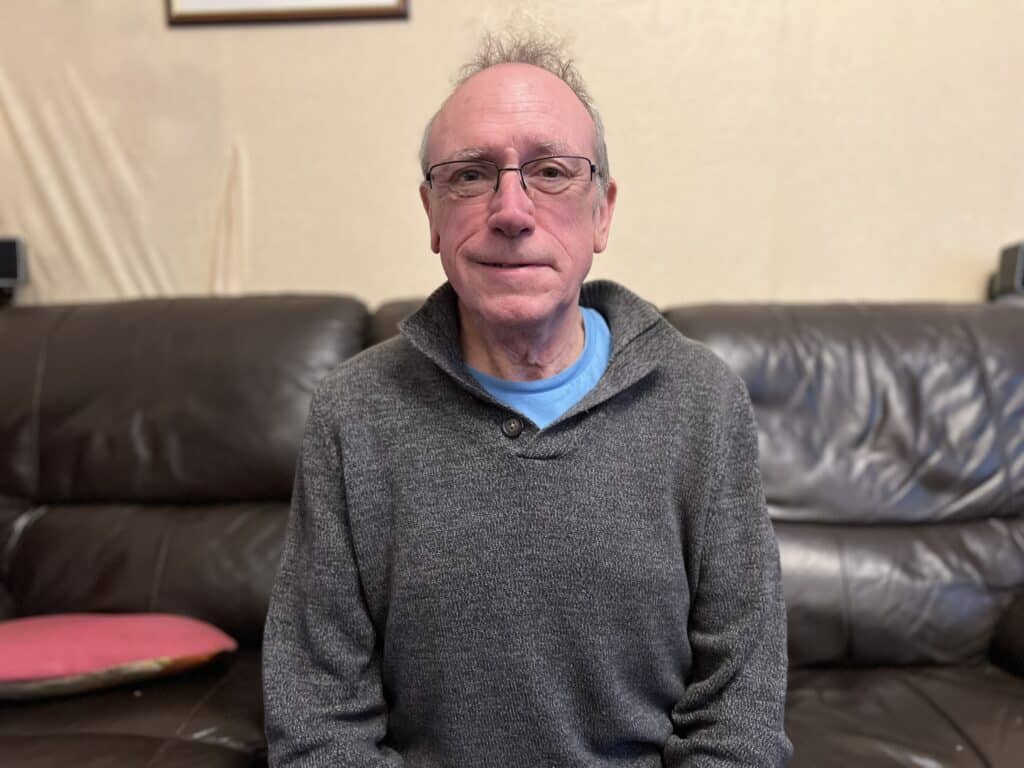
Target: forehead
512 106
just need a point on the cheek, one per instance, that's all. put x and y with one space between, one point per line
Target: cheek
453 226
574 230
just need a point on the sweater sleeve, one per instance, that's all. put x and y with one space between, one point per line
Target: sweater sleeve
321 670
731 713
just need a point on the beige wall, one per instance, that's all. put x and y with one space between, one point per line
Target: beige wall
765 149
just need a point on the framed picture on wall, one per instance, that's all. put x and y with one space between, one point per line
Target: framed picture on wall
200 11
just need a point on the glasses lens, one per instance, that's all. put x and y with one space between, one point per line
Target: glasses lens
465 179
552 175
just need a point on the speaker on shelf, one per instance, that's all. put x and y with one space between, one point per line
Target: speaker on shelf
1008 279
13 267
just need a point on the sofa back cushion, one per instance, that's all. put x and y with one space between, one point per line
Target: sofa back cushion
164 400
892 453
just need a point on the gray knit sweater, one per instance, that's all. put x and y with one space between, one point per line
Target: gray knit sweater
604 592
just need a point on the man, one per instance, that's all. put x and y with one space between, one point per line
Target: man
527 532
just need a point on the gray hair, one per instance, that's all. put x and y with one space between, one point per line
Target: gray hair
539 51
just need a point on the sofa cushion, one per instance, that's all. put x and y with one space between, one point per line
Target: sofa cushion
211 716
185 400
216 563
886 717
879 413
897 594
68 653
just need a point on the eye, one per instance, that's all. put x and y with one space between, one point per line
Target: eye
549 169
467 175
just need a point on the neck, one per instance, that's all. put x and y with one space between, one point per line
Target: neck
522 353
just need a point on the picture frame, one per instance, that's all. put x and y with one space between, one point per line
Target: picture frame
227 11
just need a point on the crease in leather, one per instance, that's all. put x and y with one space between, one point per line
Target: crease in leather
994 414
178 737
158 569
229 745
199 705
160 751
37 405
968 742
21 524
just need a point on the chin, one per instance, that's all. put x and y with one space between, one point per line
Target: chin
514 310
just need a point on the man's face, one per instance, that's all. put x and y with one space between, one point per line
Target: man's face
516 258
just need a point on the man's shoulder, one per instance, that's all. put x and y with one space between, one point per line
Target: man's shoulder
690 359
373 372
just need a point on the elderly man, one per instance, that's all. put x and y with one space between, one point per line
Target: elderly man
529 531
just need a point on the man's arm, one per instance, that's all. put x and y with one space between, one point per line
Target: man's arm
731 713
321 673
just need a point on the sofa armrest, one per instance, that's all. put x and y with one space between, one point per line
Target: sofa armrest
1007 649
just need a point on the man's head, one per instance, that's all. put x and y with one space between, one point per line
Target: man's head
515 255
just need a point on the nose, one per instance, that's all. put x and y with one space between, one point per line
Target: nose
511 208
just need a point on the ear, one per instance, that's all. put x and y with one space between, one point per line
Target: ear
603 216
435 236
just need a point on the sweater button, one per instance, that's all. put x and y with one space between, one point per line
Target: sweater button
512 427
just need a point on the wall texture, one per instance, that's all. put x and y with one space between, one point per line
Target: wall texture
765 149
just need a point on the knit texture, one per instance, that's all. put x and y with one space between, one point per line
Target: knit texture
603 592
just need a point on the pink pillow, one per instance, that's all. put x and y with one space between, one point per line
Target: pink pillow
72 652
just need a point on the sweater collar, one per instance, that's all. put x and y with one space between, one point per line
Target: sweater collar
434 330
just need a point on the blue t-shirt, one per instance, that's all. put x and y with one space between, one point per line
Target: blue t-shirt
544 400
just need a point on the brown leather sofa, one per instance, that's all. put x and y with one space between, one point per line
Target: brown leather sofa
146 457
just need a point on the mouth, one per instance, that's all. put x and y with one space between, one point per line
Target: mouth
510 266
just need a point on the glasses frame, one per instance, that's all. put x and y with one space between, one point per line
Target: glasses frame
517 168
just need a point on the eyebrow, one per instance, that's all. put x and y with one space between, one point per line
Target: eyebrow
540 149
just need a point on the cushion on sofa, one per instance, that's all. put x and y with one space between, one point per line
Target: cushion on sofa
892 717
70 653
164 400
893 466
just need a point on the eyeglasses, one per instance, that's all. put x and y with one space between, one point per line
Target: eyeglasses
472 178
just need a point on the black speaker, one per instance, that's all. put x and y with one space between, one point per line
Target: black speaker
13 267
1009 278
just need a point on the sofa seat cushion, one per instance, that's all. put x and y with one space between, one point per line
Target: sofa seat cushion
74 652
955 717
211 716
93 750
